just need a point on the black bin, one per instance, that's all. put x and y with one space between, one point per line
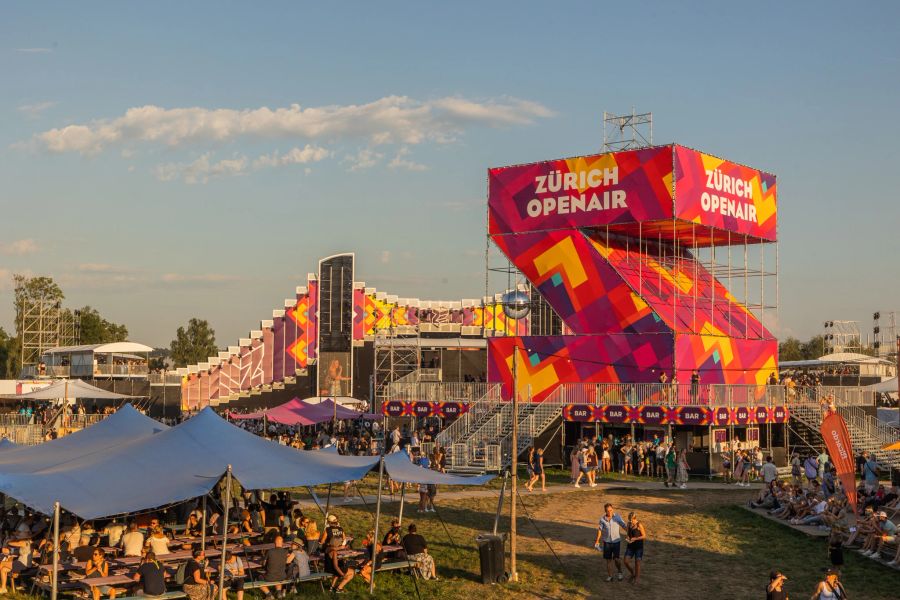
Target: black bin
491 554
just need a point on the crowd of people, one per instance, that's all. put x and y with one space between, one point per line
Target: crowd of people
621 454
269 534
814 496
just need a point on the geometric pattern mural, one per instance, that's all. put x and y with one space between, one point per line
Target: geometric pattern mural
636 304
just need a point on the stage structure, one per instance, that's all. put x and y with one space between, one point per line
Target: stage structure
338 337
658 260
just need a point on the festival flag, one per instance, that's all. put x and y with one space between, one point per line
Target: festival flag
840 449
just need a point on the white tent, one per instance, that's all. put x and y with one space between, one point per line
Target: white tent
68 388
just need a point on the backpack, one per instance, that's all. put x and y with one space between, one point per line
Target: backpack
181 573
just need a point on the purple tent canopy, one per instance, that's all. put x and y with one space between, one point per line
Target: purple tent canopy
299 412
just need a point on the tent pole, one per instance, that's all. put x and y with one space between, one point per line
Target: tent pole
54 584
402 492
203 525
513 575
224 534
500 502
328 503
377 518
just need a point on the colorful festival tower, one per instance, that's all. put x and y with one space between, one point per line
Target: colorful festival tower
638 252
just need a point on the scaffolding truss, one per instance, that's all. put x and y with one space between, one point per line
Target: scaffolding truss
395 357
627 132
44 325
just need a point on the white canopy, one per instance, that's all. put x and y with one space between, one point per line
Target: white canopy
111 348
174 465
887 386
68 388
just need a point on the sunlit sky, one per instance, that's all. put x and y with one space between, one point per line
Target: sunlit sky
170 160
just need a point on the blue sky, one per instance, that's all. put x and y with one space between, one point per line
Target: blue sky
169 160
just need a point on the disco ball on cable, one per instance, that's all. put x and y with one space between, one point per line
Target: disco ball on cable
516 304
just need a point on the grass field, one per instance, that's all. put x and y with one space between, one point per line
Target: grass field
702 544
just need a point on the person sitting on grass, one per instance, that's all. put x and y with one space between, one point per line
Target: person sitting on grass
416 549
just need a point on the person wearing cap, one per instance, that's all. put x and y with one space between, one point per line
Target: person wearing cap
393 537
333 534
775 589
887 533
299 567
235 573
829 588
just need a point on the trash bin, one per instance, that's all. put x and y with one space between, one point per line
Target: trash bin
491 552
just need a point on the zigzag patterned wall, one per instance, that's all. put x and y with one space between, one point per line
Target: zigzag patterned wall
636 308
285 346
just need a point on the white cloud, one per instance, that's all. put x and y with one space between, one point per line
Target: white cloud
295 156
401 162
33 111
19 247
34 50
392 119
202 169
364 159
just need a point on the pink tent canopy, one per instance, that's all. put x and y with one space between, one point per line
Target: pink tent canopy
298 412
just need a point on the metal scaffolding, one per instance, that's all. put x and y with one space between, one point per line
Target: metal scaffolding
395 357
44 325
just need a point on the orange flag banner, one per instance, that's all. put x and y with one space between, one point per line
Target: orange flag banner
840 449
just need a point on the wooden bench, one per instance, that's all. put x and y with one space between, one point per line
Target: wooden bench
312 577
399 564
167 596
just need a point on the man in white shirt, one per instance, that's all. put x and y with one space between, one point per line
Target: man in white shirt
769 471
133 541
114 532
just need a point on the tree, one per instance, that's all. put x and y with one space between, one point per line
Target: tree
193 345
791 349
97 330
7 355
814 348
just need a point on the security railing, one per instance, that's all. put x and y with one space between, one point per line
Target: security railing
437 391
16 420
164 378
133 370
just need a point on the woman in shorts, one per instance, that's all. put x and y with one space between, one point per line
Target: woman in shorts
634 549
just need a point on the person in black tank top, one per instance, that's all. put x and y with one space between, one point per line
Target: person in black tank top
636 535
775 590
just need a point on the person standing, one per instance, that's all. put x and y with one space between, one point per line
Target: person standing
671 463
683 468
775 590
609 532
829 588
635 548
695 386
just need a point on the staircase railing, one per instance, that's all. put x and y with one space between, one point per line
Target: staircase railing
478 411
